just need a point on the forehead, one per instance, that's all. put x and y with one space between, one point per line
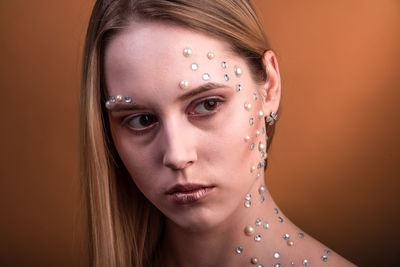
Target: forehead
151 54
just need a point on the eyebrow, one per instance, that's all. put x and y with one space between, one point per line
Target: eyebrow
198 90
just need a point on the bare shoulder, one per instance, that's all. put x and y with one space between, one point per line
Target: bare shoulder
311 252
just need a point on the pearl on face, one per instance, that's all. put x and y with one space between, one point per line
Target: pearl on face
247 106
119 98
187 52
253 168
258 133
194 66
262 189
290 243
248 230
261 113
108 105
184 84
247 138
210 55
206 76
261 146
238 71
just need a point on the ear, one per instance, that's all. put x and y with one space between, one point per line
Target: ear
271 91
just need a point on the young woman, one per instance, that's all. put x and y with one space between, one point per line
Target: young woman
179 101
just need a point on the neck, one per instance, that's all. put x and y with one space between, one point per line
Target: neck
252 233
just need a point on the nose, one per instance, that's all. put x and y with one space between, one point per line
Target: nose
179 146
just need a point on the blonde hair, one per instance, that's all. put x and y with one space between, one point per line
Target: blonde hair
123 227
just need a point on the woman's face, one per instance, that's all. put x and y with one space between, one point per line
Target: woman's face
184 143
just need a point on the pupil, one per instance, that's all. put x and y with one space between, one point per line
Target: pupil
146 120
210 104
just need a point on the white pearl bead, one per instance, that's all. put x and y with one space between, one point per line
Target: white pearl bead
261 146
184 84
210 55
248 230
187 52
119 98
258 132
238 70
247 138
247 106
261 113
253 168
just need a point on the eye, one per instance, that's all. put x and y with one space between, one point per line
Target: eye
142 121
207 106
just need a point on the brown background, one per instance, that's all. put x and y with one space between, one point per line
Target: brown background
334 163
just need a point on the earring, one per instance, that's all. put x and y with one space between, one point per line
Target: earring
272 118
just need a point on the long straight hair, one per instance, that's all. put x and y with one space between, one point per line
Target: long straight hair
123 227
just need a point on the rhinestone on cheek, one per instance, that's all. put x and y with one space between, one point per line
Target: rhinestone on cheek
261 146
258 221
206 76
261 113
278 265
257 133
255 96
293 263
266 225
226 77
187 52
112 99
252 146
128 99
194 66
247 204
276 210
223 64
306 262
251 121
277 255
248 197
239 250
324 258
257 238
238 88
301 235
260 265
262 199
280 219
327 251
248 230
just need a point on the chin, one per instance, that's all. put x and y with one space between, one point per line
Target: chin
197 220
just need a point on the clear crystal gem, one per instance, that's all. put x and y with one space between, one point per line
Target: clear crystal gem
238 87
276 210
247 204
301 235
226 77
259 165
128 99
324 258
224 64
257 238
248 196
280 219
255 96
262 199
306 262
260 265
252 146
278 265
262 154
266 225
206 76
251 121
258 222
277 255
112 99
195 66
327 252
293 263
286 236
239 250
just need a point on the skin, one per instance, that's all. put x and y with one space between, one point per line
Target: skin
199 138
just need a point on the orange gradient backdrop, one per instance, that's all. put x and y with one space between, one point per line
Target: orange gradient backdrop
334 164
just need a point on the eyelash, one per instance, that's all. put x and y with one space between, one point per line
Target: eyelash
218 101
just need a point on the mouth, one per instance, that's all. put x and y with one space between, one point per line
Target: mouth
189 193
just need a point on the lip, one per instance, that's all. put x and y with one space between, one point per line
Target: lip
183 194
